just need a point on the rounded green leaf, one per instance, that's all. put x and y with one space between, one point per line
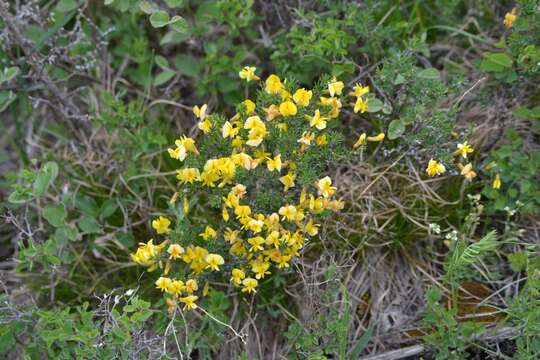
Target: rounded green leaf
396 129
159 19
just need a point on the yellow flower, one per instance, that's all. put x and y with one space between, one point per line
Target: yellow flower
317 120
249 285
189 302
260 268
288 212
302 97
205 126
256 243
208 233
377 138
435 168
214 261
334 102
179 153
188 175
161 225
146 253
306 139
273 84
257 130
248 73
325 187
250 106
335 87
272 112
321 140
283 127
509 18
239 190
311 228
242 211
288 181
361 140
188 145
175 251
497 182
163 283
274 164
176 287
287 108
359 90
467 171
463 150
255 225
191 286
237 275
228 130
360 105
200 112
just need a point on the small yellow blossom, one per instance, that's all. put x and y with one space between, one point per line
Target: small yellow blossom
321 140
287 108
288 212
272 112
510 18
335 87
377 138
237 275
191 286
257 130
188 175
497 182
208 233
463 150
325 187
467 171
176 287
274 164
360 105
248 73
302 97
200 112
317 120
288 181
163 283
306 139
189 302
256 243
250 106
260 268
228 130
361 140
273 84
214 261
311 228
175 251
359 90
435 168
205 126
249 285
161 225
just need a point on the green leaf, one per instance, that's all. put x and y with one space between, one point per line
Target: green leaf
6 98
187 65
55 215
162 62
429 74
361 344
87 206
396 129
45 177
89 225
374 105
173 37
400 79
174 3
159 19
179 24
67 5
108 208
500 59
9 73
518 261
163 77
147 7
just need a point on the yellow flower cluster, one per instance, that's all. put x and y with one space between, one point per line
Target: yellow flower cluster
258 242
